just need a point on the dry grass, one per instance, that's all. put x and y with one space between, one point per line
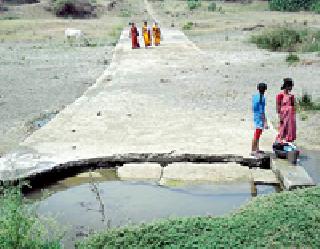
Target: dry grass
53 30
228 16
46 27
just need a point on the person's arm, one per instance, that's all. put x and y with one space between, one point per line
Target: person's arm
279 104
252 104
279 101
265 121
264 116
292 100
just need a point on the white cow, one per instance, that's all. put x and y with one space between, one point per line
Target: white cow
76 33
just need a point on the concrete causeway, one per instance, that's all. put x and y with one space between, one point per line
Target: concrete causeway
147 101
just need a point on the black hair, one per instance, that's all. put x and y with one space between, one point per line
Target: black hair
261 87
287 82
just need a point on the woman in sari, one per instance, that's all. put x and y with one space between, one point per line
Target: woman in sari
156 34
286 111
146 35
134 36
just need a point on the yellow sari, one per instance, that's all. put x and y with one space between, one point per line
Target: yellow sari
146 36
156 35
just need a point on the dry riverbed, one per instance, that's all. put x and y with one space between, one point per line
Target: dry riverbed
223 37
39 79
41 71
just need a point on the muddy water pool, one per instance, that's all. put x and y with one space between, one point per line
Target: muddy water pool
99 200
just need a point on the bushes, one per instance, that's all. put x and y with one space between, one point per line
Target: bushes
292 58
284 220
311 47
212 6
311 41
305 103
21 1
316 7
281 39
20 226
288 39
291 5
9 17
74 8
193 4
188 26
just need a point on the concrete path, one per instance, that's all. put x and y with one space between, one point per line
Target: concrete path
148 101
291 176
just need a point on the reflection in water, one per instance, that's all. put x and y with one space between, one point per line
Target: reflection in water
96 192
43 120
98 200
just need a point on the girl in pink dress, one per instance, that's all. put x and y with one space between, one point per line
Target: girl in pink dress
286 112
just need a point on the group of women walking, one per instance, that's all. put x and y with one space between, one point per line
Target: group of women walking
149 36
285 107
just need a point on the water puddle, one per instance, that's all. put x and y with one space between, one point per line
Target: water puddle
99 200
310 160
41 121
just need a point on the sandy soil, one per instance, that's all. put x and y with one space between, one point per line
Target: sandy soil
36 81
221 37
41 72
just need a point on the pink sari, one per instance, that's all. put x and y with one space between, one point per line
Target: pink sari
286 110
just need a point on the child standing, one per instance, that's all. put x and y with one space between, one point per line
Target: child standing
259 116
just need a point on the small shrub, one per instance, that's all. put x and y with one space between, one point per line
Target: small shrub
20 226
221 10
89 43
193 4
290 5
9 17
288 39
303 117
311 40
125 13
74 8
21 1
312 47
188 26
281 39
212 6
316 7
292 58
305 103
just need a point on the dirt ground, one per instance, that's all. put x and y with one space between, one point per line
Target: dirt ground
41 71
223 36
